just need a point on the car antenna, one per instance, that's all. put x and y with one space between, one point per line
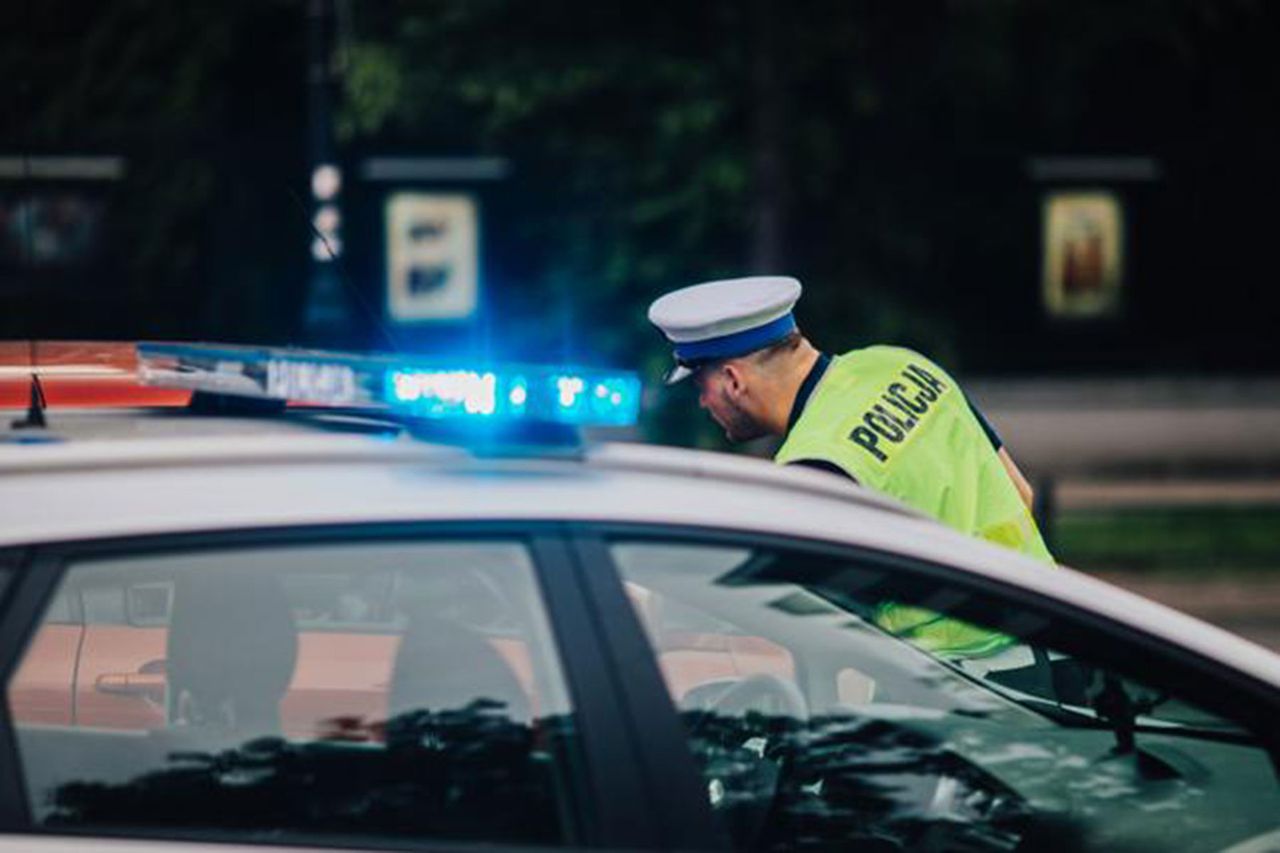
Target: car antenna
383 329
35 409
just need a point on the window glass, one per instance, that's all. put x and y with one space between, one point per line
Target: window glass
104 604
881 710
149 604
60 611
363 691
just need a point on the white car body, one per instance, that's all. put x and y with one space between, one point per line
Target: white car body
97 476
110 487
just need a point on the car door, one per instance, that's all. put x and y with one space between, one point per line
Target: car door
1069 733
424 684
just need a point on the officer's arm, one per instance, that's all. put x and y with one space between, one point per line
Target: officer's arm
1020 482
997 443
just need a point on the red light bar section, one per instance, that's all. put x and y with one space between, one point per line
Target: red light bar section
78 374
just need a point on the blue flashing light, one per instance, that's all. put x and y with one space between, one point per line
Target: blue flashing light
503 394
443 393
517 394
548 394
568 390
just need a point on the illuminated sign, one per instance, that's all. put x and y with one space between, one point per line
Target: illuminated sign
432 252
1083 273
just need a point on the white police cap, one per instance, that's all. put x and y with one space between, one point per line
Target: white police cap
724 319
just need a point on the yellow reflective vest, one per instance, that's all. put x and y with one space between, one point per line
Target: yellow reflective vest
897 423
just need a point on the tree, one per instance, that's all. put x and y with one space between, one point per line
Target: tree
201 100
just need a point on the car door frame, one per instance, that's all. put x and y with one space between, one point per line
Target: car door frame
613 800
680 794
1162 659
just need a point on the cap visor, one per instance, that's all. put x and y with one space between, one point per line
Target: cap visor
678 373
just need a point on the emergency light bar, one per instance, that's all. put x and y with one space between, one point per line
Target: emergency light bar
444 391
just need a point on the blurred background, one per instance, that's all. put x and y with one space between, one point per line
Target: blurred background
1070 205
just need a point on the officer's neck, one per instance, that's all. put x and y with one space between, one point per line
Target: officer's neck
789 378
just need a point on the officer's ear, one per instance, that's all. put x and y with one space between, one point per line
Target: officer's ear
735 378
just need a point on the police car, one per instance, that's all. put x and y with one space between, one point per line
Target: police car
371 602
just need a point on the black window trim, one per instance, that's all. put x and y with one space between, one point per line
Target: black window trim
1160 657
680 795
612 815
31 590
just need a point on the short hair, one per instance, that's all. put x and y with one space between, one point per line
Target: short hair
783 346
763 358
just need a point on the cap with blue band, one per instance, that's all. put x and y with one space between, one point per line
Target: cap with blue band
737 344
724 319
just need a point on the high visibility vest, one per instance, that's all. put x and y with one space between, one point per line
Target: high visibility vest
897 423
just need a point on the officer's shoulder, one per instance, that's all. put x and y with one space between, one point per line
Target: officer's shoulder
899 357
892 351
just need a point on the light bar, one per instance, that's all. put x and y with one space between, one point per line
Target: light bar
548 394
303 376
499 394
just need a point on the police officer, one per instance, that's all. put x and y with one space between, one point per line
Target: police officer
884 416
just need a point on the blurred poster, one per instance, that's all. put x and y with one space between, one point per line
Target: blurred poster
49 230
432 256
1083 254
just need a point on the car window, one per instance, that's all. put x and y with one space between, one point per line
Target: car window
104 604
369 691
60 611
898 712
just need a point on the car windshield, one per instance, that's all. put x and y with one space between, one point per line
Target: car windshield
829 698
892 647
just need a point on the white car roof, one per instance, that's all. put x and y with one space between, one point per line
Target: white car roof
132 476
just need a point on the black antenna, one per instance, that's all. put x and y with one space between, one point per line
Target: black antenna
383 329
35 409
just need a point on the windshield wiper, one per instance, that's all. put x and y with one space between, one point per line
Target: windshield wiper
1067 715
